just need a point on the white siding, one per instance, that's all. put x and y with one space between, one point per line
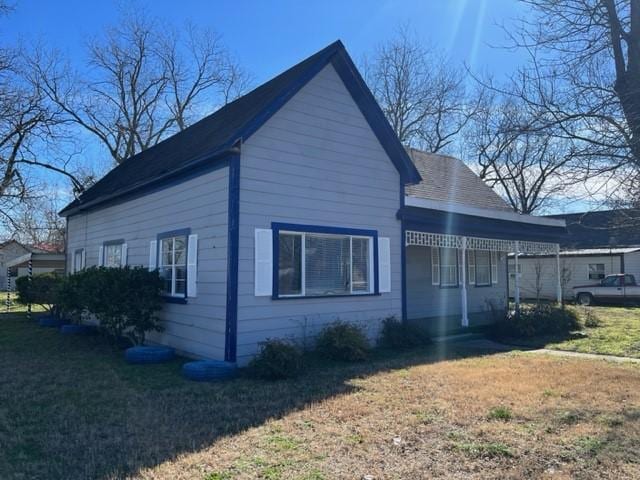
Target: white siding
316 161
200 204
632 264
544 269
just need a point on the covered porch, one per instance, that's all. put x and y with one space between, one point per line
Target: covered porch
456 262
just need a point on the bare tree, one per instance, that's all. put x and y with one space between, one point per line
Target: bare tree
424 98
584 75
142 83
38 224
526 165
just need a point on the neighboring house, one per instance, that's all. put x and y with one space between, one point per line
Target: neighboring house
295 206
597 244
9 250
14 259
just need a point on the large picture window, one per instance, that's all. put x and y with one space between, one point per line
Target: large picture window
112 254
172 265
324 264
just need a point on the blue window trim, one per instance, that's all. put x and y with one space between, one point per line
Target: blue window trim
294 227
182 232
233 240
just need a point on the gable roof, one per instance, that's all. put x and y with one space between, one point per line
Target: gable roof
448 179
604 228
215 136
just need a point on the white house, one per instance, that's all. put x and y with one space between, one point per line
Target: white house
294 206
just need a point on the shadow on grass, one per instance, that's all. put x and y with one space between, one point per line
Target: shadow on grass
71 408
540 341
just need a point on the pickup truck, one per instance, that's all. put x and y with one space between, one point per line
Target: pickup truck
618 288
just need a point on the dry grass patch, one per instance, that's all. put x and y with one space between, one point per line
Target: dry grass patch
71 408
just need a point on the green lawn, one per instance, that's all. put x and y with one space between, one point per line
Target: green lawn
71 408
618 334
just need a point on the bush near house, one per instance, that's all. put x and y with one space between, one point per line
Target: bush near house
124 300
537 320
396 334
42 289
277 359
343 341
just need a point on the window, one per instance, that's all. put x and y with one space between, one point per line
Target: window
323 264
483 268
112 254
613 281
448 267
630 280
596 271
78 260
172 265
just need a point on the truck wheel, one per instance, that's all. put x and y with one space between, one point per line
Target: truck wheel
585 299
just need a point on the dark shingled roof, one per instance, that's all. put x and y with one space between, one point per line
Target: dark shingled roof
217 133
601 229
448 179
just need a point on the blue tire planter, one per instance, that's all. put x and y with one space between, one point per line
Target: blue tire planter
209 370
74 329
148 354
48 321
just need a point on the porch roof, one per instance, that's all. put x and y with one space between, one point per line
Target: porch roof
477 223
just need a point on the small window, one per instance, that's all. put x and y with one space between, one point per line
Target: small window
612 281
448 267
319 264
596 271
483 268
113 254
630 280
172 265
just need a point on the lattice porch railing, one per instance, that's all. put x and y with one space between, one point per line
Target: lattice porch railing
426 239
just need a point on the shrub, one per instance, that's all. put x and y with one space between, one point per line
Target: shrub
500 413
41 290
70 298
124 300
539 319
396 334
343 341
276 360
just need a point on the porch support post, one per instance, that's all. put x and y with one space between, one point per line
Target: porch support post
516 295
463 284
558 275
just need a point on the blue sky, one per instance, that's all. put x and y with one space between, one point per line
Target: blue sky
269 36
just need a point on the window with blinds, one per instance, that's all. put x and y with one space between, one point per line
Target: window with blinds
318 265
448 267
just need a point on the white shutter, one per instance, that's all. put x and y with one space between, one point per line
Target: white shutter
471 262
83 259
101 256
153 254
192 266
263 257
459 266
435 266
384 265
494 267
123 255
